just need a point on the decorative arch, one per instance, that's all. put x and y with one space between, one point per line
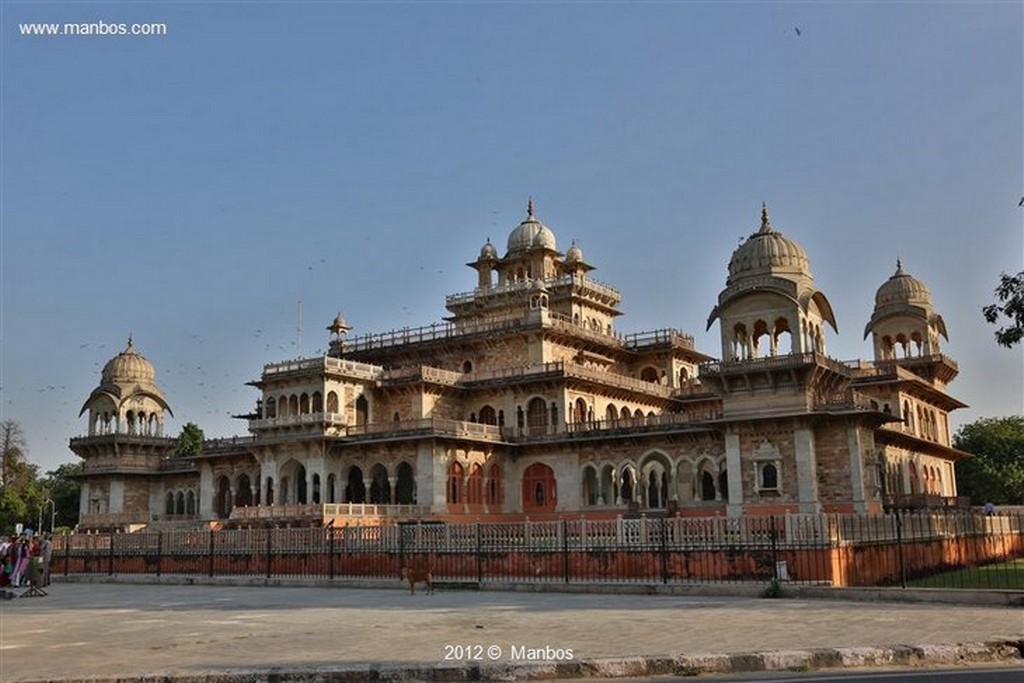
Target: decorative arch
539 488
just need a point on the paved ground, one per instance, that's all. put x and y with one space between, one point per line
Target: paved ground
105 630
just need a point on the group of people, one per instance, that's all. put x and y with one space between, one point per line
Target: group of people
25 560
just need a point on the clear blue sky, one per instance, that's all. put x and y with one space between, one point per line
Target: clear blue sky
191 188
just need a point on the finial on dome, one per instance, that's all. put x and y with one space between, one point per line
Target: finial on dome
899 266
529 208
131 342
766 221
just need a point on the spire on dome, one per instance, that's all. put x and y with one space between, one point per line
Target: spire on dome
131 343
529 209
899 266
766 221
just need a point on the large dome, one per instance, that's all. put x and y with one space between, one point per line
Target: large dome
767 251
902 288
529 234
129 365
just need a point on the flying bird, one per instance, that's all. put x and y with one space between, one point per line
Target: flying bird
797 29
1021 202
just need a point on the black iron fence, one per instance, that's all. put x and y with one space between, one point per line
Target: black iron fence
818 549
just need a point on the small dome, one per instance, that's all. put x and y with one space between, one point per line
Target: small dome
488 251
767 251
129 365
340 325
574 255
902 288
529 234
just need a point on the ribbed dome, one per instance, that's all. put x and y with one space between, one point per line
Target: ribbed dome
488 251
767 251
129 365
574 254
902 288
529 234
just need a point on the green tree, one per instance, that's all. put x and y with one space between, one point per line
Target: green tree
21 493
1010 293
64 490
996 472
190 441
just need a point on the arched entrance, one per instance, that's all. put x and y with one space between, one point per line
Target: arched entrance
539 488
243 495
405 487
355 490
380 487
222 503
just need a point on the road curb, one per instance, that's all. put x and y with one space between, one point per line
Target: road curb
1000 651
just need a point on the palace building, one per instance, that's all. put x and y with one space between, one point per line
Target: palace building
526 401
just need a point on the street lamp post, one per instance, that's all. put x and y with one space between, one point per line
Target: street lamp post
53 514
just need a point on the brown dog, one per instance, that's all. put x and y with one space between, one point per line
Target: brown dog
418 575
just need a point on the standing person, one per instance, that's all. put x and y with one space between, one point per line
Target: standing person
990 508
19 561
47 553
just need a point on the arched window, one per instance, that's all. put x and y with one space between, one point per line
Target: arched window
537 416
318 402
293 405
362 410
769 476
591 492
488 416
282 406
467 367
331 487
179 503
579 413
649 374
270 408
304 404
169 507
456 494
475 494
495 490
539 488
625 415
611 413
332 402
190 503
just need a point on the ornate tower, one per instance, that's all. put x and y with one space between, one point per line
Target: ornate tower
905 328
127 401
125 444
769 296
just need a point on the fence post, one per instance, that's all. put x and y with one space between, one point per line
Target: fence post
270 537
67 554
479 555
899 549
565 550
330 549
211 553
773 537
110 555
159 551
664 549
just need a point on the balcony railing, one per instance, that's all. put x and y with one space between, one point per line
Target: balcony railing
307 420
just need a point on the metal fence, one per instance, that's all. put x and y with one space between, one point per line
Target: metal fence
820 549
